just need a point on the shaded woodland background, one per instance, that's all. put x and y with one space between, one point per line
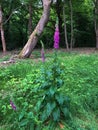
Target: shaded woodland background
20 17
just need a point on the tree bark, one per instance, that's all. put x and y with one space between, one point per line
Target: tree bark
71 12
34 37
96 22
30 19
2 32
65 29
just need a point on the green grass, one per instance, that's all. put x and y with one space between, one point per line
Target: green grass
80 83
4 58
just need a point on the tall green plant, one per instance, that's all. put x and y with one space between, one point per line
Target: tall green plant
53 106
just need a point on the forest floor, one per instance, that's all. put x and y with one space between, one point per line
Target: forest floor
75 50
8 57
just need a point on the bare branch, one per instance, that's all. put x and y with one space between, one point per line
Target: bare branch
11 15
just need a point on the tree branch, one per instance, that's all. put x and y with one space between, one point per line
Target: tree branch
11 15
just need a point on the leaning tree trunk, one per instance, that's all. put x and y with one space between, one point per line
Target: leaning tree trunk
2 32
34 37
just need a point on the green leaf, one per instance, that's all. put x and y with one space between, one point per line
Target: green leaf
24 122
56 114
43 115
65 112
67 101
59 98
31 126
49 108
21 115
60 82
52 91
38 105
30 115
49 74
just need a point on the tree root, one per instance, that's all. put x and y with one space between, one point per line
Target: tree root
10 61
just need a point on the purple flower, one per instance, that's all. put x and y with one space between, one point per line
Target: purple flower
43 54
56 37
12 105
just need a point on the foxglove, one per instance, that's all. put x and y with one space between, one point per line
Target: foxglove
56 37
12 105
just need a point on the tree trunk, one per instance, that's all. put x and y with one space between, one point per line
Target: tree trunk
71 12
34 37
7 21
30 19
2 32
96 22
97 38
65 29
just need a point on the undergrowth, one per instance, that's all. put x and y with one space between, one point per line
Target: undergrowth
20 83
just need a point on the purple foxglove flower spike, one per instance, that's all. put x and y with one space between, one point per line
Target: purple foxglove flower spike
12 105
43 55
56 37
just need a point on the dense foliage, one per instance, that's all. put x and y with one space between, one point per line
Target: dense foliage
37 99
16 18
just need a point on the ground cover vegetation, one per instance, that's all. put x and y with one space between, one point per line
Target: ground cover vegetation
24 86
